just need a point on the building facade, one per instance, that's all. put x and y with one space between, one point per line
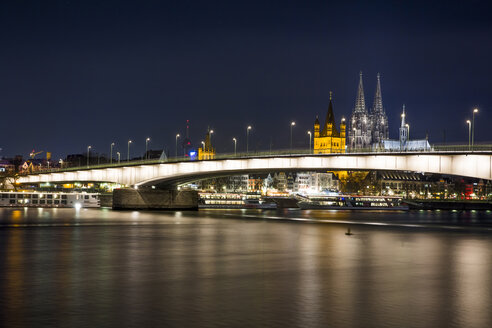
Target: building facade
329 139
404 142
307 182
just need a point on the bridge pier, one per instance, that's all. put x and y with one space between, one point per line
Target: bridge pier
147 199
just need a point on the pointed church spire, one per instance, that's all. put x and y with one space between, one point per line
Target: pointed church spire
360 103
377 107
330 124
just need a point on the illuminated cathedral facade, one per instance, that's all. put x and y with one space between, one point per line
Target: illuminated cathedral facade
368 129
327 138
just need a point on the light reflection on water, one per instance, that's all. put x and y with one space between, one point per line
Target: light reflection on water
97 267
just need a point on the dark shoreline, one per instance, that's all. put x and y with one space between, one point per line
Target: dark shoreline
461 205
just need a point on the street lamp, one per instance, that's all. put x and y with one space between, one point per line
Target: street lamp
469 134
119 156
473 127
309 132
292 124
111 153
235 145
146 148
128 153
88 154
247 138
408 131
177 136
211 132
203 145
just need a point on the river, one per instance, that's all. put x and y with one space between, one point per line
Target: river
244 268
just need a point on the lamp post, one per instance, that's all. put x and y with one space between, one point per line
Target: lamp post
128 153
203 145
88 154
177 136
235 145
408 131
247 138
469 134
309 132
475 110
343 146
211 132
292 124
111 153
119 156
146 147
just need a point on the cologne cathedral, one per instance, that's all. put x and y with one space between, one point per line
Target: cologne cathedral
368 129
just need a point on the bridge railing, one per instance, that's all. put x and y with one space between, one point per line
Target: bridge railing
285 152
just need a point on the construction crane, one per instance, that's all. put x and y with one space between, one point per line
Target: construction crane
34 153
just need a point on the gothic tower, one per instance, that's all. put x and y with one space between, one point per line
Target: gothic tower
403 131
379 118
359 133
206 151
329 140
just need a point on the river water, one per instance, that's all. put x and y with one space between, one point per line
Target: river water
244 268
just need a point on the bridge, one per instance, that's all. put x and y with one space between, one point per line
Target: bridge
476 164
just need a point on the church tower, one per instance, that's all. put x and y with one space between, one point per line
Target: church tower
403 131
359 133
206 151
329 140
316 127
379 119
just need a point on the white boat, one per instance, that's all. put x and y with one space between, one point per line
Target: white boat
351 202
48 199
234 200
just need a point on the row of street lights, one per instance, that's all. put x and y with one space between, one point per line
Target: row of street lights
248 129
471 141
111 158
147 140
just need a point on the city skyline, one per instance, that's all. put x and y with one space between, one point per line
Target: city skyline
140 71
301 124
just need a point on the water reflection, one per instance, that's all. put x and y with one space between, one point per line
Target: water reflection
248 268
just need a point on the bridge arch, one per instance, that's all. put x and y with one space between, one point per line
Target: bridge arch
476 165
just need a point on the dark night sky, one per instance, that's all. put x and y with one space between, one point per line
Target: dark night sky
78 73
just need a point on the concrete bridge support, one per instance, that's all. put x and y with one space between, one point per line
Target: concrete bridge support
146 199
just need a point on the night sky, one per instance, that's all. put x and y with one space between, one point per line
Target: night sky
79 73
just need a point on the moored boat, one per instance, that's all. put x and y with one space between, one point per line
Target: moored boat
48 199
351 202
234 200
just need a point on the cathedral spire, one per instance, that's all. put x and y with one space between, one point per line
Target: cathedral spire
378 99
360 103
